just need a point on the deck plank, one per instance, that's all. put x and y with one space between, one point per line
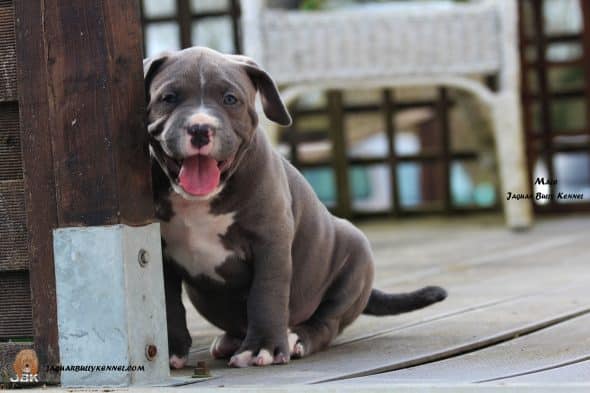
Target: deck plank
487 270
419 344
485 284
551 347
578 372
471 285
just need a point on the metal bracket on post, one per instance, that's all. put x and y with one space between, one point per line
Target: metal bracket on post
115 271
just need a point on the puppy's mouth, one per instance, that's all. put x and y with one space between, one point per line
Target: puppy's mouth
199 175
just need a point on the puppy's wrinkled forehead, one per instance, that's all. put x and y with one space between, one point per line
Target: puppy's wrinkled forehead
200 70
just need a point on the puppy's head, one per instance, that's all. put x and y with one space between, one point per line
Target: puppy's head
202 116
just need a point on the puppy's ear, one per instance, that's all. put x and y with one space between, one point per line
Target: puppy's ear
272 104
151 66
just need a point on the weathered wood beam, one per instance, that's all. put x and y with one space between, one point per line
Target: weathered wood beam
85 151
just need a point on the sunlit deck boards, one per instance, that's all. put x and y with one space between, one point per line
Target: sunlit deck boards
518 310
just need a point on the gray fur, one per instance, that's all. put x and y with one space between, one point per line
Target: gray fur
293 265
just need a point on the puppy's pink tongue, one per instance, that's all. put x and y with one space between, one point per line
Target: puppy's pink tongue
199 175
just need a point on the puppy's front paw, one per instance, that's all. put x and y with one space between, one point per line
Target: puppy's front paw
178 362
261 353
262 358
179 343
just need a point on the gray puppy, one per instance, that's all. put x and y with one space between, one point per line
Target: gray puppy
260 256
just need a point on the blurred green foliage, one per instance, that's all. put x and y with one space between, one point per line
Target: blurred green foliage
310 5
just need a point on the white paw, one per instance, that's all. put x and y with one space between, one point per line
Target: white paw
295 346
264 358
176 362
243 359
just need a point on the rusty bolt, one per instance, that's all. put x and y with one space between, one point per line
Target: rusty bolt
202 370
143 257
151 351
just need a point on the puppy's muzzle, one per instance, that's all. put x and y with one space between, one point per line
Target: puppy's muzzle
200 134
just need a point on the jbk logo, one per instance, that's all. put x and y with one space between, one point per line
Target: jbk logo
26 366
26 378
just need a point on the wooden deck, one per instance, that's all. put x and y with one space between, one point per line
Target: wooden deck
518 311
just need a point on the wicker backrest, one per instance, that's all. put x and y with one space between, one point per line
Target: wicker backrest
385 40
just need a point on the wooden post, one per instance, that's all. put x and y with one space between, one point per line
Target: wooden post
506 117
85 150
389 110
339 154
443 106
586 42
40 195
183 12
80 65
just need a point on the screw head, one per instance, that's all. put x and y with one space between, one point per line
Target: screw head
202 370
151 351
143 257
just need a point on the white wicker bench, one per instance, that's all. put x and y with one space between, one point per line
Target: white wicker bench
392 45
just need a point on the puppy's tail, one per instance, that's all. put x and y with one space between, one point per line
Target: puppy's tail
381 303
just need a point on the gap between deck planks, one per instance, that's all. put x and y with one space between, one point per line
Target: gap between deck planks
548 348
576 373
508 256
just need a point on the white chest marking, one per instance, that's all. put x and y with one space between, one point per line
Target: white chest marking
193 236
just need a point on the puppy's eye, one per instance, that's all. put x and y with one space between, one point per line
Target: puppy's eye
229 99
170 98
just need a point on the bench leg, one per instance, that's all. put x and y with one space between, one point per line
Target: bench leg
512 160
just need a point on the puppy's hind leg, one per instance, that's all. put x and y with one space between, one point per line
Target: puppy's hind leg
343 303
224 346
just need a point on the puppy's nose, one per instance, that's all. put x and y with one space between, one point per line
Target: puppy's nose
200 134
